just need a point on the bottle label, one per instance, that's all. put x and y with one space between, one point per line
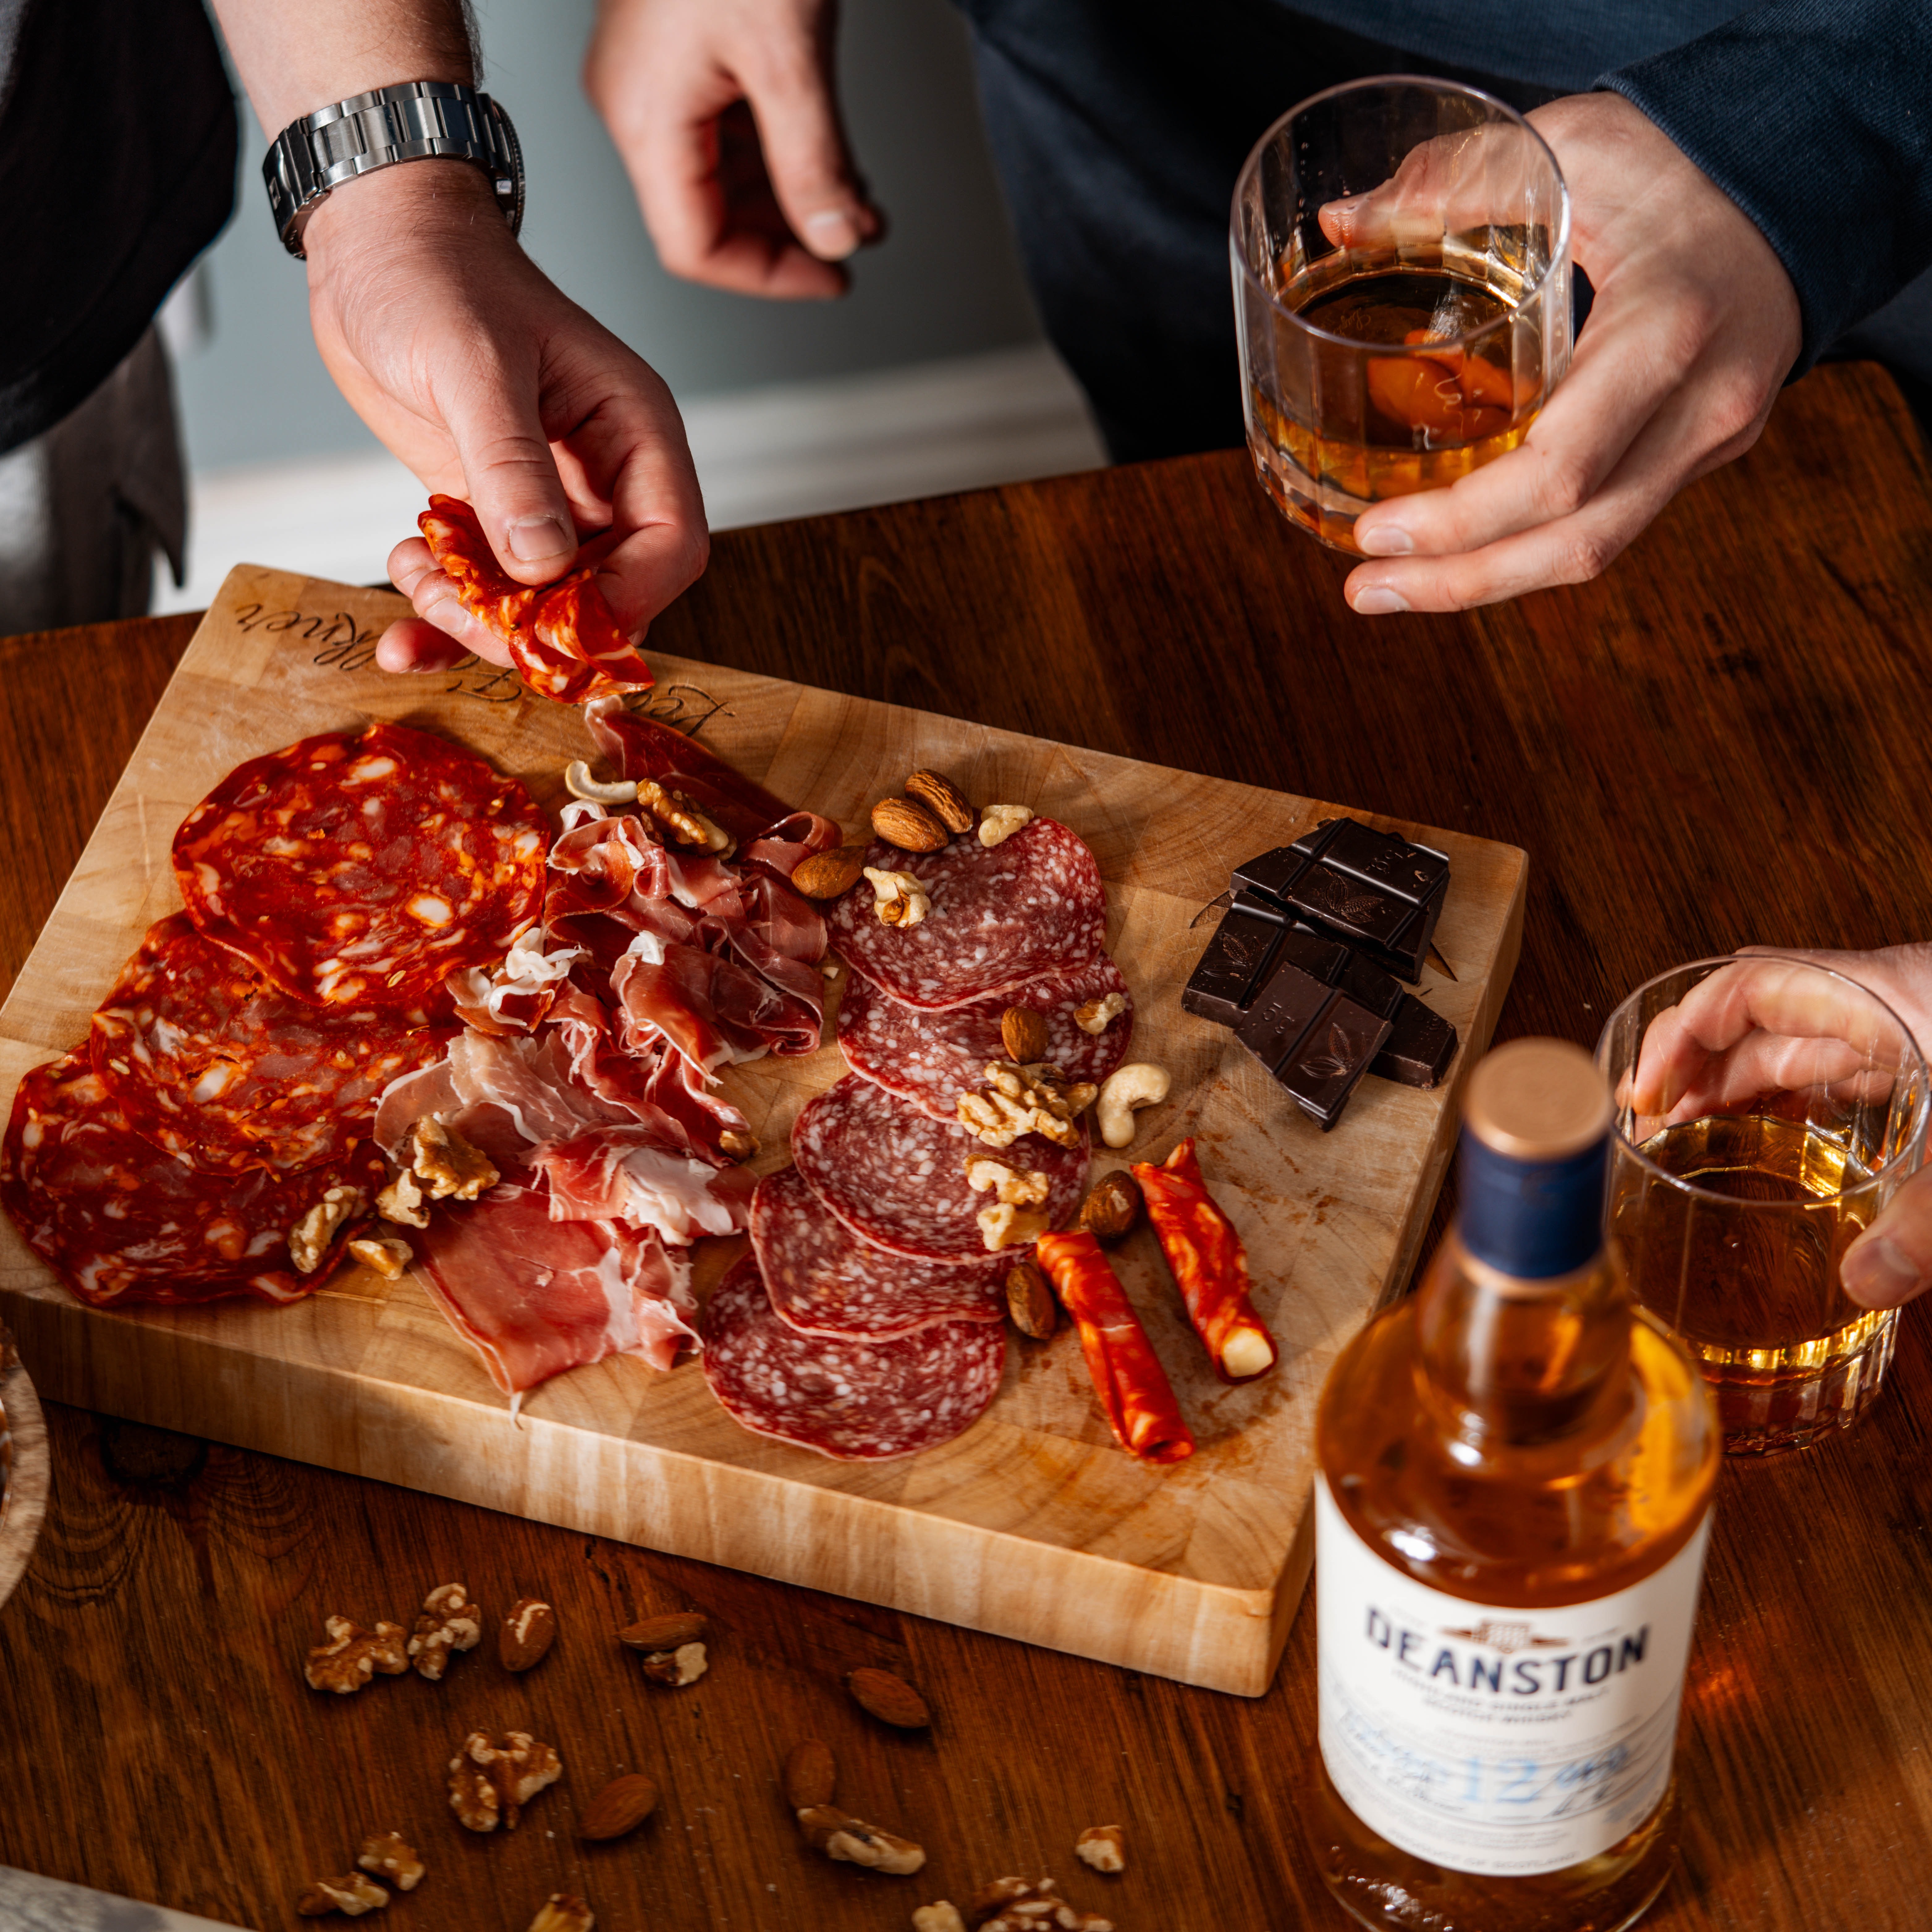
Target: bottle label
1505 1742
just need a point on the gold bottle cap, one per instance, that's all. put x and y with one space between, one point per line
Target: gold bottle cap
1537 1100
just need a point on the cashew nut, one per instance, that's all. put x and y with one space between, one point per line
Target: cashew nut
1141 1084
998 822
578 782
900 898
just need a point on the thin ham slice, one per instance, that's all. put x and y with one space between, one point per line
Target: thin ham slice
626 1174
535 1297
645 747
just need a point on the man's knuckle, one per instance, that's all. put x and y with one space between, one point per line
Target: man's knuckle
1584 555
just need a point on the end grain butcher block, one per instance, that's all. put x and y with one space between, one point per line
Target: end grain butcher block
1034 1524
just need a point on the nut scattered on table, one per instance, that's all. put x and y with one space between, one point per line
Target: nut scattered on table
682 821
829 875
622 1806
1024 1098
740 1146
353 1655
563 1912
1103 1846
889 1698
579 782
1112 1207
402 1202
1127 1090
1023 1032
1029 1300
899 898
1096 1015
311 1238
352 1894
527 1635
391 1856
811 1774
388 1254
1009 1227
908 825
449 1622
851 1841
942 798
685 1665
992 1171
491 1779
667 1632
998 822
1016 1905
943 1917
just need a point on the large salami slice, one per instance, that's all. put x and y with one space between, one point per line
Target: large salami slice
930 1059
853 1401
896 1176
823 1280
1000 917
121 1222
209 1062
358 867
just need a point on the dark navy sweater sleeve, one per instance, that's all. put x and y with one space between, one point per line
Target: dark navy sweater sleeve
1815 117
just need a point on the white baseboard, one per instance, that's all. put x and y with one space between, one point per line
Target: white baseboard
792 450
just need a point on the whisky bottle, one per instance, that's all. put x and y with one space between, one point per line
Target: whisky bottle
1516 1468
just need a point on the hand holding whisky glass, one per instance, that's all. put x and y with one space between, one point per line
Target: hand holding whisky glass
1400 253
1769 1109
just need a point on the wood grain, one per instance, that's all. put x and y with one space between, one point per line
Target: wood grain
1033 1524
1723 740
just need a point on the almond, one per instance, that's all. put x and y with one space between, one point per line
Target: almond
1111 1209
899 822
527 1634
666 1632
943 799
1023 1030
824 875
1029 1300
622 1806
810 1777
889 1698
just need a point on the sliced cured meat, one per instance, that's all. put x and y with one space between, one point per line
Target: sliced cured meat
561 636
647 748
534 1296
120 1221
359 868
932 1058
896 1176
852 1401
625 1173
1032 905
208 1061
823 1280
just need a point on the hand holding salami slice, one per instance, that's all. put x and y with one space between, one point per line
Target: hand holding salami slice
359 868
561 636
1209 1264
1132 1386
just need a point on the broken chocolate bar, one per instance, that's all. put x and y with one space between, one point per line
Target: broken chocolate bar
1370 888
1318 1042
1237 957
1419 1049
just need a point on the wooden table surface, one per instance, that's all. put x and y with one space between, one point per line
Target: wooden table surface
1722 741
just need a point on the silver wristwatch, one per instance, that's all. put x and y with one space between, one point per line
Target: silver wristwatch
414 121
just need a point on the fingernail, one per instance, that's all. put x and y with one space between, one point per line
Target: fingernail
1385 540
1878 1274
832 234
535 539
1379 600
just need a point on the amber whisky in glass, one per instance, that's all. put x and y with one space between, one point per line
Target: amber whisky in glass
1516 1469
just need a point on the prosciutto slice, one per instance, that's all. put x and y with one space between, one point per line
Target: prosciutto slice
625 1174
535 1297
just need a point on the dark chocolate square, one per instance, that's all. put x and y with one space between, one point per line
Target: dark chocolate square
1331 1057
1313 843
1316 952
1366 984
1352 907
1236 959
1270 876
1258 907
1412 872
1280 1013
1420 1047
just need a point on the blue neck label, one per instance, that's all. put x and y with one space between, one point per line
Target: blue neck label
1532 1219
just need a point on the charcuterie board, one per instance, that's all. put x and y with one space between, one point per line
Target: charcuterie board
1033 1525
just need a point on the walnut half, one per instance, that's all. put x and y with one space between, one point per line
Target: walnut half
449 1622
353 1655
1016 1099
311 1237
992 1172
493 1778
352 1895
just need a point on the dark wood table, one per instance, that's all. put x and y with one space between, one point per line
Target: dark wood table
1723 740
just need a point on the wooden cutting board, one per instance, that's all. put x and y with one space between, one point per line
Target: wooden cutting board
1033 1525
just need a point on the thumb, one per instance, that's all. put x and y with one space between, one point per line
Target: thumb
1466 179
510 476
806 156
1891 1261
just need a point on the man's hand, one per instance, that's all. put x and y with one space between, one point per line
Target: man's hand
1749 1024
494 386
1694 327
724 113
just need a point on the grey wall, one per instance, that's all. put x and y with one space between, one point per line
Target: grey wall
946 283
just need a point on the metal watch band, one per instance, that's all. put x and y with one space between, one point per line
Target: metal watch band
414 121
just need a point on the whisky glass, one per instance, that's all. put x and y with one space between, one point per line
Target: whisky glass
1400 250
1768 1108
